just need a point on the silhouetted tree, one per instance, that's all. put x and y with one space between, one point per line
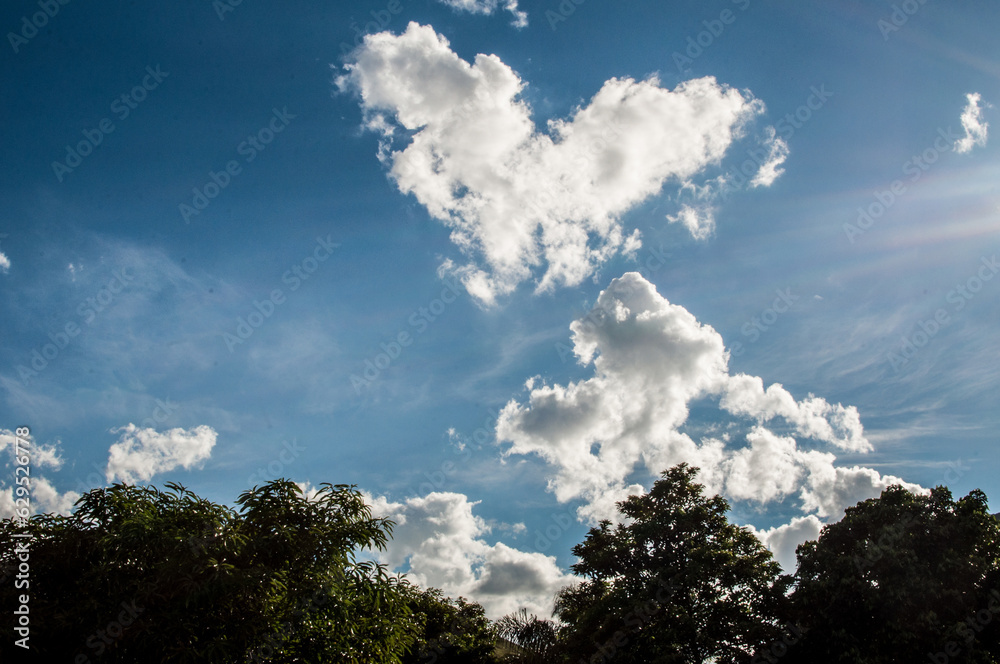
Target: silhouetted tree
534 639
898 579
450 631
136 574
676 582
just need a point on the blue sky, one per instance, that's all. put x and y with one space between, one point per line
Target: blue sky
348 244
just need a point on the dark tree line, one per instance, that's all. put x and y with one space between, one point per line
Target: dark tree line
136 574
902 578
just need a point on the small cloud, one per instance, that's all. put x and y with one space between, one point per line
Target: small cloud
769 170
488 7
4 261
783 540
700 221
45 498
972 122
141 453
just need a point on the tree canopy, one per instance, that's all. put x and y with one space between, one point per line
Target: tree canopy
450 631
902 578
136 574
139 574
676 582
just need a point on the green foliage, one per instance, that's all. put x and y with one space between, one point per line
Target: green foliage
136 574
533 640
898 579
450 631
676 583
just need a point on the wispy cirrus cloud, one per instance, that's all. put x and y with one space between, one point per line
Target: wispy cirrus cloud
976 130
4 261
520 18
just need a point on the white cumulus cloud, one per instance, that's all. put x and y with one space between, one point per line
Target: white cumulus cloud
784 539
443 543
972 122
813 417
44 497
487 7
651 359
41 456
829 489
521 202
141 453
766 470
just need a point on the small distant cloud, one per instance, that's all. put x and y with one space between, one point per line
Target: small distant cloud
972 122
42 456
488 7
45 498
770 170
699 220
4 261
